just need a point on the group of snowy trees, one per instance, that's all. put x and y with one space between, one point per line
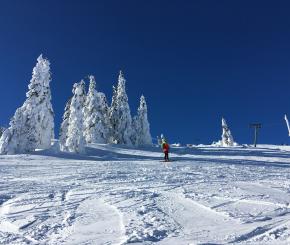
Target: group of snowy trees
87 118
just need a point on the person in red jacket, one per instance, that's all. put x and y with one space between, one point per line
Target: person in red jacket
165 147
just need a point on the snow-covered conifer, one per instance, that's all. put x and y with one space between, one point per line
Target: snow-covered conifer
227 138
96 122
64 126
104 122
287 123
75 141
113 116
141 125
39 96
20 137
32 125
2 129
120 115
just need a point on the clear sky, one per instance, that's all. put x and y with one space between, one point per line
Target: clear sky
195 61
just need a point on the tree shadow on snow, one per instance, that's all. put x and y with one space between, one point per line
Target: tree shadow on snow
103 153
108 152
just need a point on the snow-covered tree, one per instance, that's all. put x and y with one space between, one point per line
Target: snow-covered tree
96 121
141 125
287 123
113 116
75 141
20 137
227 138
32 125
104 123
120 115
64 126
2 129
39 96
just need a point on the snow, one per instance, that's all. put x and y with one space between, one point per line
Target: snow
118 195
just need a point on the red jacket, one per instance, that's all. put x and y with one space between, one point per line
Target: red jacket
165 147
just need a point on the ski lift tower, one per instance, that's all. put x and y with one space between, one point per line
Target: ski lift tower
256 126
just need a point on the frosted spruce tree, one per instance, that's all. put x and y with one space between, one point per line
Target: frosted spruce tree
2 129
39 94
32 125
103 125
113 116
141 125
287 123
227 138
75 141
96 122
120 116
64 126
20 137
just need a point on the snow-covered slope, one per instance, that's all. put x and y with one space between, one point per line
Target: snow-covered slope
116 195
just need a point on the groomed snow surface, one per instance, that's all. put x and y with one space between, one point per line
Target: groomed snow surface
118 195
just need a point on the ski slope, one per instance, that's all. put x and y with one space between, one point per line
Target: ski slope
119 195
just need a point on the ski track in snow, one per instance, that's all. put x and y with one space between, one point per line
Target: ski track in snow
119 195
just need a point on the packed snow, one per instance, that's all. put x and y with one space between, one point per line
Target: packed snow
119 195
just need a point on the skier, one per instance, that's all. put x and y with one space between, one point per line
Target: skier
165 147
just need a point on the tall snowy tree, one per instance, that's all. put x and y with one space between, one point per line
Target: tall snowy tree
2 129
96 122
64 126
32 126
75 141
113 116
141 125
120 115
39 95
104 122
227 138
287 123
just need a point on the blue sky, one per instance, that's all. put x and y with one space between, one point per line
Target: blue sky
195 61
